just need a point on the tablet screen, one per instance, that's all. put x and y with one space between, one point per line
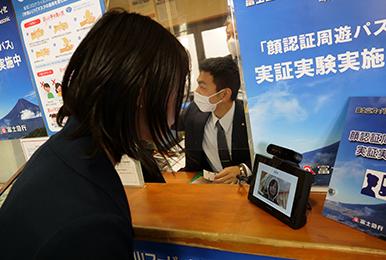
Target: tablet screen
275 188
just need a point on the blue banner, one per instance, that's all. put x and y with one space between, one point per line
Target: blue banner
20 114
301 61
357 191
51 30
151 250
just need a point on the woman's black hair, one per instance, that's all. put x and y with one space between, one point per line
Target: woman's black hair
127 66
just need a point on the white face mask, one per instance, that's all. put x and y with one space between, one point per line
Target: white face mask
203 102
232 47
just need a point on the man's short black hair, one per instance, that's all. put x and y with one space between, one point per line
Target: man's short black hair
225 73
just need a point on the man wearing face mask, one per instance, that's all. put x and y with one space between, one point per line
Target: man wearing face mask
215 129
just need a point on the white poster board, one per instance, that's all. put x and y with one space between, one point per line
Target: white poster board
130 172
215 42
30 145
189 43
50 38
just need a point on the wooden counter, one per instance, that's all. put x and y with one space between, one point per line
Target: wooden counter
220 216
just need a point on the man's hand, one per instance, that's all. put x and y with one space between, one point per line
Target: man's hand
228 175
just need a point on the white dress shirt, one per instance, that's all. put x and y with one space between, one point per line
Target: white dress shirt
209 143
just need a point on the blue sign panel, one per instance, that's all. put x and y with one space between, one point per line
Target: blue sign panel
20 115
144 250
357 191
301 61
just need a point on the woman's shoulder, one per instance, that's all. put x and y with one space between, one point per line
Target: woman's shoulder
97 236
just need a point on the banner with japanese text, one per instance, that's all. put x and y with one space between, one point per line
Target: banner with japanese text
154 250
51 30
357 190
301 60
20 114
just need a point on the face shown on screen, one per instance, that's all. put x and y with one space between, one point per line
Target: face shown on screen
273 189
276 188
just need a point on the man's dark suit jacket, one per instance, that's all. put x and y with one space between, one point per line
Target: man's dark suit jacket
194 124
66 205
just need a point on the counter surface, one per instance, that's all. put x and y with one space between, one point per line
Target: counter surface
220 216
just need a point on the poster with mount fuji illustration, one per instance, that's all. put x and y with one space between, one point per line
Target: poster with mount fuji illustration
357 190
20 115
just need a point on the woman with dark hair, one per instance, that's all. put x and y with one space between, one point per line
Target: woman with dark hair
122 88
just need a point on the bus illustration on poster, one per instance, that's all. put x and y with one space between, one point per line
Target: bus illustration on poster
357 190
20 115
301 60
51 30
